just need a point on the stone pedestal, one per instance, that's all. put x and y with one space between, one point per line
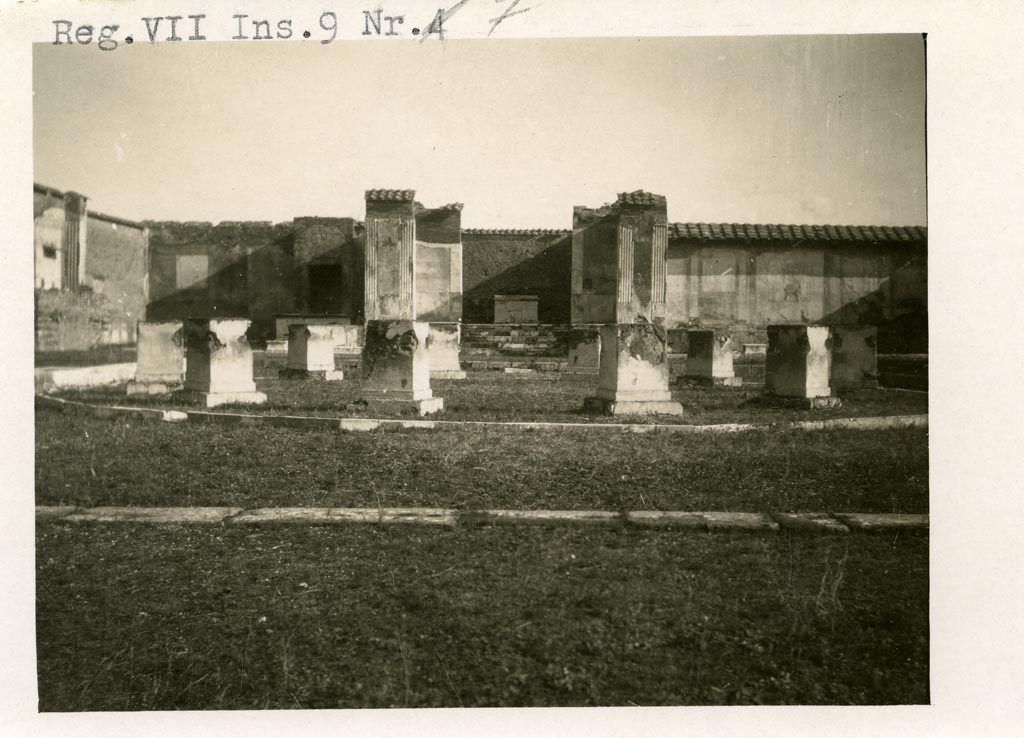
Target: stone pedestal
311 353
854 357
585 350
160 362
634 372
709 359
396 367
798 365
218 365
443 345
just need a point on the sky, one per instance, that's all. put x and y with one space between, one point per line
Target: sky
753 129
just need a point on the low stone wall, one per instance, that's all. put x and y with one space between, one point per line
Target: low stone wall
79 321
481 341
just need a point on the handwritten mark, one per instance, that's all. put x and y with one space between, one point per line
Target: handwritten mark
508 13
437 25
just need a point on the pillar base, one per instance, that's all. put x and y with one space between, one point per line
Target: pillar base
400 406
143 387
213 399
801 403
323 375
605 406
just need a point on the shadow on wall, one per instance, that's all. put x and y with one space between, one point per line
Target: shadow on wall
503 265
255 271
898 308
221 272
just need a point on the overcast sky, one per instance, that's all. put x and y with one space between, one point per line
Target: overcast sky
761 129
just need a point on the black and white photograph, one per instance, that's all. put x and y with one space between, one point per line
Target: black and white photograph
377 367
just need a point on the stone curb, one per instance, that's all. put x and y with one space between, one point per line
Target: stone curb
541 517
826 523
304 422
327 515
870 522
152 514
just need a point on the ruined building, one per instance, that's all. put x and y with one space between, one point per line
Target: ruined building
737 277
90 274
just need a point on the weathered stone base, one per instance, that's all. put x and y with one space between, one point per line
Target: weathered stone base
401 406
447 374
324 375
631 407
214 399
801 403
711 381
137 388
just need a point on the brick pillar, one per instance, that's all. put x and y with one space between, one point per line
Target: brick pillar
396 360
74 243
634 369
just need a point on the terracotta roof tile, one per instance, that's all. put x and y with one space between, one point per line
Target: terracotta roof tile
785 232
391 195
640 197
517 231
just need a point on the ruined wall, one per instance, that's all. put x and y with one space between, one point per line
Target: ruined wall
116 267
328 267
90 274
231 270
516 262
255 270
744 286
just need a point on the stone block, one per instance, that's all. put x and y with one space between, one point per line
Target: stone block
709 358
311 353
515 309
634 372
218 366
396 367
166 515
585 349
665 519
739 521
854 357
443 344
284 320
160 360
883 522
799 360
544 517
810 522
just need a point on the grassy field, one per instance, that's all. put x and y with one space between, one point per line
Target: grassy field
136 617
541 397
87 461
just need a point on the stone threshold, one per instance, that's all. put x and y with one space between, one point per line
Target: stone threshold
369 424
824 523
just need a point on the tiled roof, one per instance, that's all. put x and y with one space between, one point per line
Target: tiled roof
391 195
451 206
640 197
517 231
779 232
